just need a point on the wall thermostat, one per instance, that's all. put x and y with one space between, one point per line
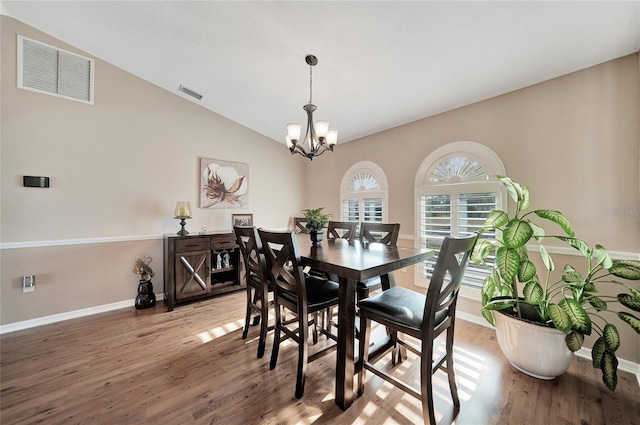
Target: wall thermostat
35 181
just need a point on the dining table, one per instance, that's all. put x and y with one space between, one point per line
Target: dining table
353 262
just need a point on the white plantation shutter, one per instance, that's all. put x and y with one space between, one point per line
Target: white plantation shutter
49 70
372 209
454 196
350 210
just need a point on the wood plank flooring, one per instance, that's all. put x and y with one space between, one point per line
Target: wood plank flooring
190 366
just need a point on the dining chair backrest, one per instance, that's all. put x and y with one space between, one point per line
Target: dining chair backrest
299 225
284 263
386 233
341 230
442 295
251 248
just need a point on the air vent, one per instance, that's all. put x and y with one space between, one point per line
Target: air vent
49 70
190 92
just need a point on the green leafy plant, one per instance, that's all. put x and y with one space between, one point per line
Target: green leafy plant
571 304
316 220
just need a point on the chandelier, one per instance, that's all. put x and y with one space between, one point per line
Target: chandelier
318 138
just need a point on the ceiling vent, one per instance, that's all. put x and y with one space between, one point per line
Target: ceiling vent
49 70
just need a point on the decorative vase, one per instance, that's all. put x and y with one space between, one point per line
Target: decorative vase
316 237
145 298
535 349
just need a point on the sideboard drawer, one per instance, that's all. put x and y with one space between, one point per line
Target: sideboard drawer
222 241
192 244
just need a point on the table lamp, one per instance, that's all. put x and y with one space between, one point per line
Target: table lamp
183 211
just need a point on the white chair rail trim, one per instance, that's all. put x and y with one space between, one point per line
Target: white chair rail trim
84 241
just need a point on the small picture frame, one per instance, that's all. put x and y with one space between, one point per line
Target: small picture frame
242 219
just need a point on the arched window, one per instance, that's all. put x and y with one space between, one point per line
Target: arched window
455 188
363 193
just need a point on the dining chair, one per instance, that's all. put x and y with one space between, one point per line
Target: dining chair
422 317
258 284
299 224
341 230
373 232
301 294
337 230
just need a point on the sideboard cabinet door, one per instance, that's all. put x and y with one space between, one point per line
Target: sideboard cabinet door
192 274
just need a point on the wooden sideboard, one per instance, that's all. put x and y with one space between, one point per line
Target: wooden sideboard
200 266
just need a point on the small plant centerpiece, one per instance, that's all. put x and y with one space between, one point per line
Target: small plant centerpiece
572 304
146 297
316 222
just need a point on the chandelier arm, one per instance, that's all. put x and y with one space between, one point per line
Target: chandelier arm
299 149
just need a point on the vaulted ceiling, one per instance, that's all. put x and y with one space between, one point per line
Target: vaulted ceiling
381 64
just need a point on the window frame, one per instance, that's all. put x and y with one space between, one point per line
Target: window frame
381 192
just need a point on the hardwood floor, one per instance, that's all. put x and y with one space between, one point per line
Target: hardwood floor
190 366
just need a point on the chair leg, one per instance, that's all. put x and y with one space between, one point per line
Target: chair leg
276 339
427 401
451 374
426 385
264 324
363 349
247 318
303 354
315 328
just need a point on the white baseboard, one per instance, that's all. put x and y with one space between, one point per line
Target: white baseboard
623 365
46 320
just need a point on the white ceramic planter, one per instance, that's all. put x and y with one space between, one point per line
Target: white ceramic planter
538 351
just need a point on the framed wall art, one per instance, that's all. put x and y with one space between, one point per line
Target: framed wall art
223 184
242 219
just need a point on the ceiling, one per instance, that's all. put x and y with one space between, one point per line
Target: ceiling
380 64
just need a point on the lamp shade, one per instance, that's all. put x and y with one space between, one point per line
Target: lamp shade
293 130
322 127
332 137
183 209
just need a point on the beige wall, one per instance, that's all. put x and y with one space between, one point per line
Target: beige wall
117 169
574 140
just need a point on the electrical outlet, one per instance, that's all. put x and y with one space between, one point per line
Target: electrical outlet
28 283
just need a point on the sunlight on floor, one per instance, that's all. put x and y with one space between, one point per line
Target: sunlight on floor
221 331
329 397
468 367
311 415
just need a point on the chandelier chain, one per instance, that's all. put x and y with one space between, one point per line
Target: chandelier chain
310 83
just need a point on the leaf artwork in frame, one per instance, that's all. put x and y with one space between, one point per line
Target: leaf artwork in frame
223 184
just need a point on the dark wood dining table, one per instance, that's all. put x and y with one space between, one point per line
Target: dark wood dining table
354 262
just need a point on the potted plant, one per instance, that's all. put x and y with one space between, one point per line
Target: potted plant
570 306
316 221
